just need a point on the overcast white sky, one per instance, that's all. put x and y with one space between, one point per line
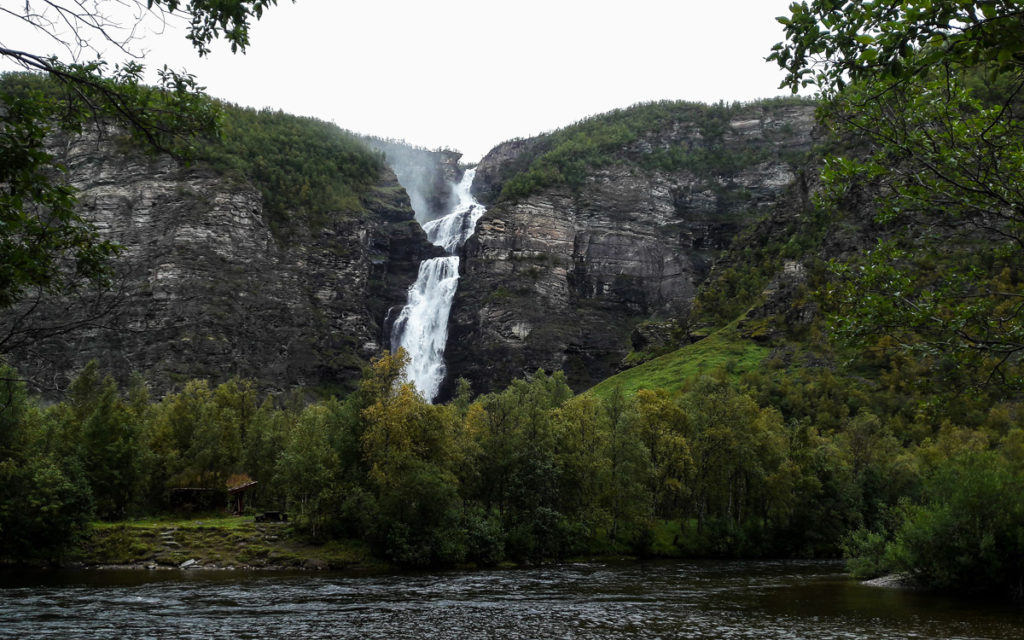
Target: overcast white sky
468 74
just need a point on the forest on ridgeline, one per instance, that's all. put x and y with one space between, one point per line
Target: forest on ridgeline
849 380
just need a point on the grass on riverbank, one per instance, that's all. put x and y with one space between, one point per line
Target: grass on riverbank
216 542
224 542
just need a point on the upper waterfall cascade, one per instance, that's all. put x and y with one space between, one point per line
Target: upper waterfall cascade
422 326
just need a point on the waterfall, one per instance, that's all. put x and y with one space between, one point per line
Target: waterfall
422 327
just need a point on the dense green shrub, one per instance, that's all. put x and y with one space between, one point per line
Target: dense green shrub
45 498
966 534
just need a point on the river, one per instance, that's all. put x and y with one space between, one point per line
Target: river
789 600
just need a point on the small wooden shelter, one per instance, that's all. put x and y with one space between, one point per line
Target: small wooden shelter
237 496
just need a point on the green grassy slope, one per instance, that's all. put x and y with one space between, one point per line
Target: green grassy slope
724 350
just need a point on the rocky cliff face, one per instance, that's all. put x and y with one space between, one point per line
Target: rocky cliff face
558 280
203 289
500 163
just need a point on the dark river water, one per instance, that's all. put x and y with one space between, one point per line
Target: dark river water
660 600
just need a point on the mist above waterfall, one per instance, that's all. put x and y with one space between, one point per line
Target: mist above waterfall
427 176
422 327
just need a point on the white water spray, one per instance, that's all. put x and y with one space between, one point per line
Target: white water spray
422 327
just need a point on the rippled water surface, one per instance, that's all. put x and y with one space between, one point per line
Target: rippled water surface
663 600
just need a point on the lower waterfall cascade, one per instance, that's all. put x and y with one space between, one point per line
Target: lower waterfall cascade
421 329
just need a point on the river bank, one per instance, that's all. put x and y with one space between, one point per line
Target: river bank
223 543
230 543
220 542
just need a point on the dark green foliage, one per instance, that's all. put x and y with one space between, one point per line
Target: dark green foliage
44 496
43 505
485 539
756 256
420 517
887 39
781 464
517 471
933 151
108 441
965 534
214 19
945 280
706 161
305 168
734 289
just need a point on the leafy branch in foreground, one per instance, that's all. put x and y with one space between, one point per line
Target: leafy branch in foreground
927 97
932 123
831 42
947 176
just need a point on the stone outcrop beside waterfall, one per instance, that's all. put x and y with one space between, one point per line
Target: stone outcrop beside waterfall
427 175
559 279
501 163
204 289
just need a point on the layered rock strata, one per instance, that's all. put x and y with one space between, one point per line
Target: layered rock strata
202 289
558 280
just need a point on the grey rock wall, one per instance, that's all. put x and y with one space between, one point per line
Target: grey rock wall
203 289
560 279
